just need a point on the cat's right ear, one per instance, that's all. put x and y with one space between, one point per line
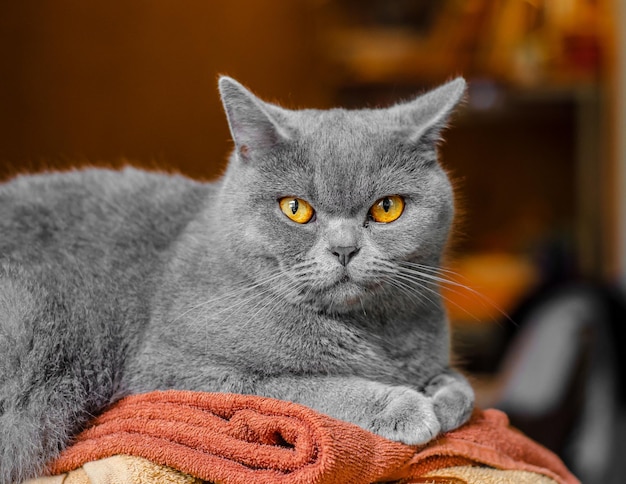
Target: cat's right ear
251 125
426 116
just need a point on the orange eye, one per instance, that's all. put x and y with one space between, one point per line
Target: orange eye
298 210
387 209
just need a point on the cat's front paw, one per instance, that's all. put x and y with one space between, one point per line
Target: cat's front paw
453 400
407 417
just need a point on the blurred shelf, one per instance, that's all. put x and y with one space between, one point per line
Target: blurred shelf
530 44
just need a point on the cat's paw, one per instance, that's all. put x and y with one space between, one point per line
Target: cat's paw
453 400
408 417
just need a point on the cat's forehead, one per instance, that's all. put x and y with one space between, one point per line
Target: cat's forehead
344 122
342 139
350 157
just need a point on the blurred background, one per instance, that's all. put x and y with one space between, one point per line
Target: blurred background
537 264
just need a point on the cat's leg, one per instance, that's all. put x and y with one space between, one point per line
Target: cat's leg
453 399
47 388
394 412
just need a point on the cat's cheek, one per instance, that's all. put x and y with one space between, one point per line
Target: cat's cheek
395 243
288 241
445 215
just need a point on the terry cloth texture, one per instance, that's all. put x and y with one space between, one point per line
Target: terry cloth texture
227 438
129 469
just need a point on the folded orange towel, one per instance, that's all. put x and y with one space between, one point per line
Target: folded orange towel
243 438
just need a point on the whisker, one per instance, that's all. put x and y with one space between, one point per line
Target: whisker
411 294
421 285
271 301
435 269
450 284
438 294
390 274
234 293
423 279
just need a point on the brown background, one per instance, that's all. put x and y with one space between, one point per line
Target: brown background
101 80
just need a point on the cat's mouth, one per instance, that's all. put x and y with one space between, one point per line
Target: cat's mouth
346 282
346 293
340 291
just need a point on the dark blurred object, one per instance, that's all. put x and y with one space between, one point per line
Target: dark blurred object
562 376
417 16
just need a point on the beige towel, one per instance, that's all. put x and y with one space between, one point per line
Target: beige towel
137 470
120 469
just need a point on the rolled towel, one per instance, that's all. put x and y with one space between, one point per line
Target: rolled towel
243 438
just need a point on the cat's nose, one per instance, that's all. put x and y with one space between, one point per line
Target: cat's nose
344 254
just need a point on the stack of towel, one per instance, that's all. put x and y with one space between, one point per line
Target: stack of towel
185 437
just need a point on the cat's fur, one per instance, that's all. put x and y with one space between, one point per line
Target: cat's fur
122 282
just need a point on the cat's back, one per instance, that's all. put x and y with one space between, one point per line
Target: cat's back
84 212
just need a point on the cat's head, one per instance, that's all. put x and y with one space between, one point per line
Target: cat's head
338 209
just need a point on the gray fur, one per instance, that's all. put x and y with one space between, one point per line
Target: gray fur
114 283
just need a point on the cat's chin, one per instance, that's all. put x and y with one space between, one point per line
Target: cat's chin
345 296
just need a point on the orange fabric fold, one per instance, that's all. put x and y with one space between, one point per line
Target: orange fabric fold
243 438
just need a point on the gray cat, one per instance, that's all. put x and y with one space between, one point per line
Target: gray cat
308 272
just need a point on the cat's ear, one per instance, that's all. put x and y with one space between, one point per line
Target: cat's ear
252 126
425 117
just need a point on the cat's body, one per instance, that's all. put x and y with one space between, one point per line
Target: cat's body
123 282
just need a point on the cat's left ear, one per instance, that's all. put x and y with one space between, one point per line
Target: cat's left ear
427 115
252 126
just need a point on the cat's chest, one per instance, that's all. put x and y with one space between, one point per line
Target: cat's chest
272 336
326 344
295 341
